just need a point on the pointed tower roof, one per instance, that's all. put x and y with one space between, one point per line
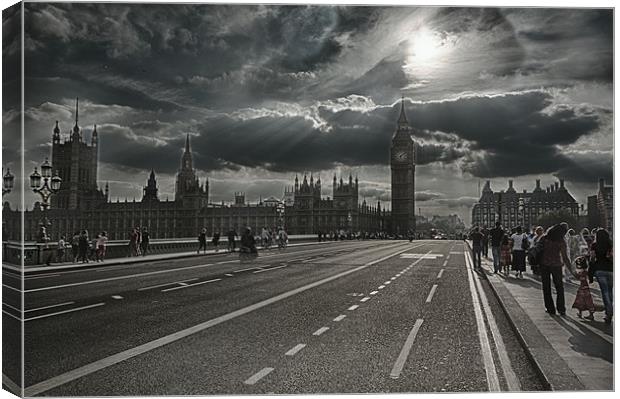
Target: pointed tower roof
402 119
76 128
187 147
186 159
57 129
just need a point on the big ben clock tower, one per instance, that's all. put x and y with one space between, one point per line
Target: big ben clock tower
402 164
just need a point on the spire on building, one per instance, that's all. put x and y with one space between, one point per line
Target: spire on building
186 160
76 128
94 138
402 119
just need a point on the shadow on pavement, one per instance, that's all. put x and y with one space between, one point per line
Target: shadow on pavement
585 341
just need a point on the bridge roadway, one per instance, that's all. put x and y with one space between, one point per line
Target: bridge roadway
359 316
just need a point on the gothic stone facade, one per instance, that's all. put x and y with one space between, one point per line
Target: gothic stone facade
311 214
521 209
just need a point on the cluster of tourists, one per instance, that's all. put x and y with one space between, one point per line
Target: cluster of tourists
82 247
139 239
266 237
554 254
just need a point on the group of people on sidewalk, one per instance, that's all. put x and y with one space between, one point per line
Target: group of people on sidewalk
139 239
267 237
83 248
554 255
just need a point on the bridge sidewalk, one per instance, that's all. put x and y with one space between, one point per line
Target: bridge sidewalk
137 259
570 353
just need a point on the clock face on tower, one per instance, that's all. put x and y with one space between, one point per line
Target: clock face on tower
400 156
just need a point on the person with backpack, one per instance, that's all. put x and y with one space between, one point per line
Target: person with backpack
602 268
520 244
554 256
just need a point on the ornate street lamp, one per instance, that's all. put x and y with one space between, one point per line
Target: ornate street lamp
50 185
7 182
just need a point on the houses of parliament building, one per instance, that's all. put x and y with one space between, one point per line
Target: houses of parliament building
81 204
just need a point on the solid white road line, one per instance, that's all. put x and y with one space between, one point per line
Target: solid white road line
339 318
440 273
271 268
12 307
51 306
65 311
320 331
365 299
165 284
104 280
11 288
404 352
373 292
430 295
191 285
258 376
293 351
245 270
511 378
485 347
354 307
117 297
37 276
9 314
138 350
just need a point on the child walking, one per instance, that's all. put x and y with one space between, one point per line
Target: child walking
583 300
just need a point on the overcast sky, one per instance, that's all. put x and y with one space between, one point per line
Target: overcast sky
266 92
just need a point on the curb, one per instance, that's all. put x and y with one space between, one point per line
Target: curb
555 373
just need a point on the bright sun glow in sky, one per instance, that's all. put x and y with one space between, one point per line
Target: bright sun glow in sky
425 45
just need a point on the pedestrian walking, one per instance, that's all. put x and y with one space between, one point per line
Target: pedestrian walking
496 234
145 238
75 246
485 242
583 299
554 258
46 253
476 237
102 243
539 232
231 240
216 240
505 251
133 243
202 241
602 268
138 240
520 244
92 249
83 247
60 250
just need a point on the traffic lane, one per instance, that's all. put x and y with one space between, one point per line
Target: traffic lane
102 288
60 343
101 271
221 358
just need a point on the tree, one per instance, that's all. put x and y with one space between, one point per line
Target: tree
554 217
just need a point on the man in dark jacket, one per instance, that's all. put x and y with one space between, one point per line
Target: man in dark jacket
496 235
476 238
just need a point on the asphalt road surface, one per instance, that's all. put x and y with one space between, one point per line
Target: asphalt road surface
347 317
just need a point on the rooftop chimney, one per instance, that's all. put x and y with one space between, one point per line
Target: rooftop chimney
509 183
556 185
537 183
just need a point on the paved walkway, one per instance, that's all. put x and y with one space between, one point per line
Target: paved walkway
571 353
137 259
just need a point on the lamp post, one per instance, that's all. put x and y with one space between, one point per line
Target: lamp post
45 185
7 182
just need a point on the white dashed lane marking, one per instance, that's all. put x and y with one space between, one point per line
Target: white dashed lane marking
258 376
387 282
404 353
430 295
293 351
373 292
165 284
117 297
365 299
320 331
50 306
271 268
440 273
381 287
339 318
354 307
65 311
191 285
